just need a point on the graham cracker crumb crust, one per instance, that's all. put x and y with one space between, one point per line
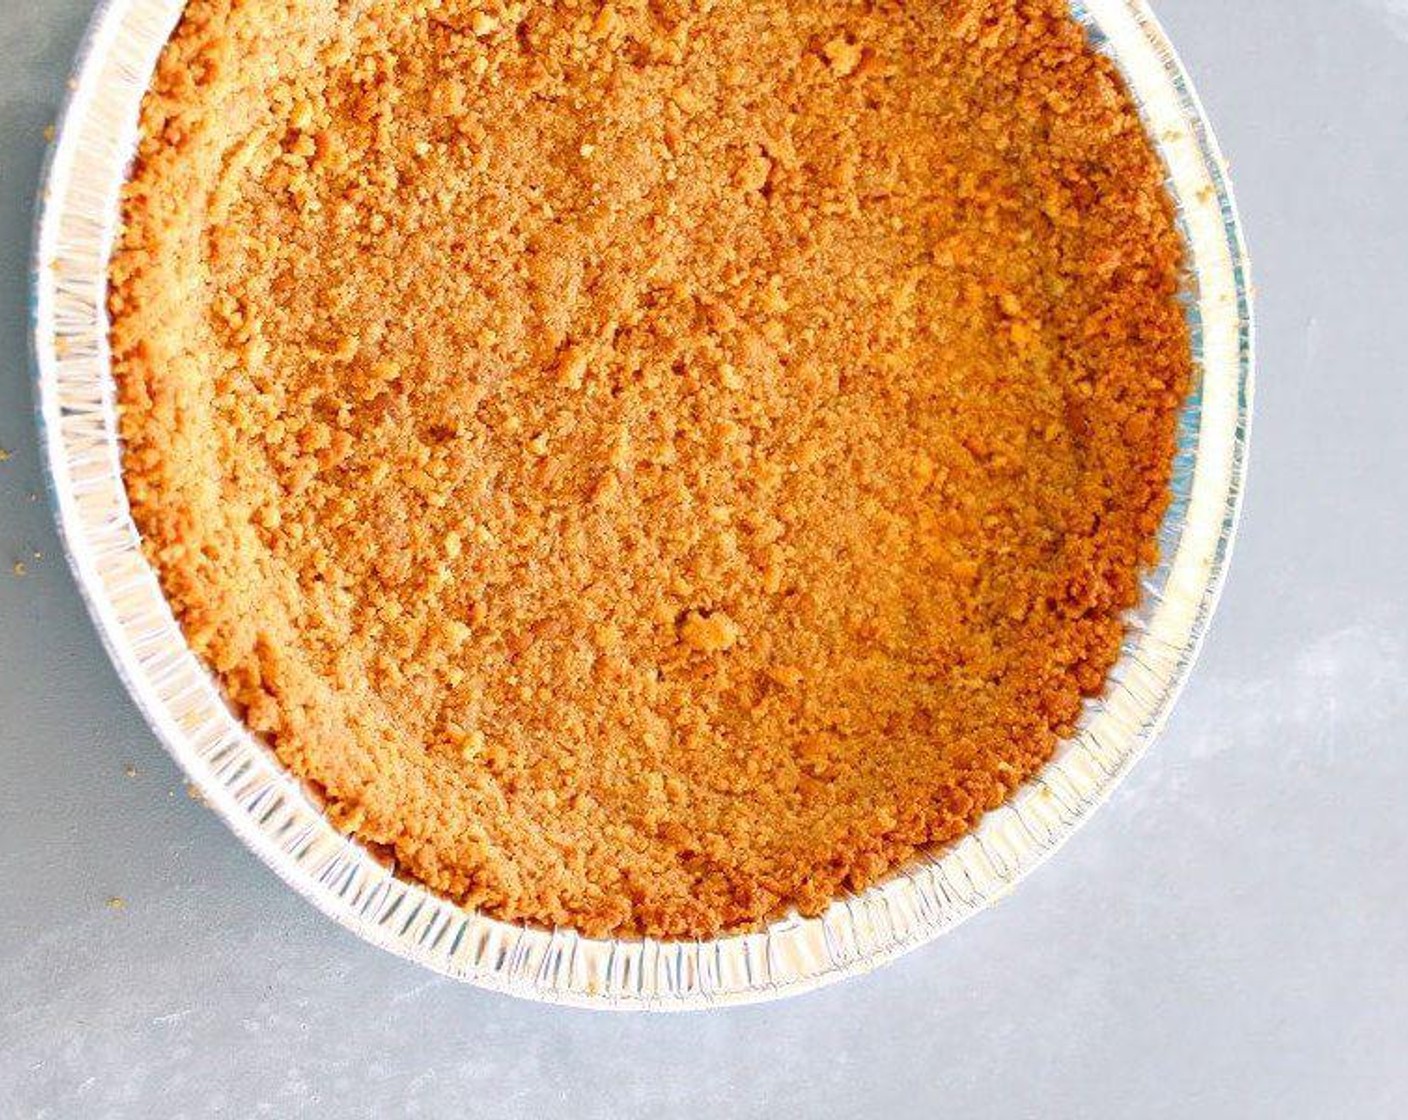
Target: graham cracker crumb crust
649 466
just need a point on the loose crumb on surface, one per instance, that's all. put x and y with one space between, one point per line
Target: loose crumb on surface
649 467
116 903
709 633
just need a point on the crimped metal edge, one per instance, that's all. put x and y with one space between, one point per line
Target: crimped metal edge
270 812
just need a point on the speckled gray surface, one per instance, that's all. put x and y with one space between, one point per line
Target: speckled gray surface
1229 937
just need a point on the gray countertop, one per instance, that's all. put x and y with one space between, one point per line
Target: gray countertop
1228 937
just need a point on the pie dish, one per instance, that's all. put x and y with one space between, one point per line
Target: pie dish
706 629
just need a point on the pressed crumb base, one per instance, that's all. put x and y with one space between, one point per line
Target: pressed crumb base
648 466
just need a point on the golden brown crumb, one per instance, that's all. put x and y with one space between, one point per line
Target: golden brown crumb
649 466
709 633
116 903
19 568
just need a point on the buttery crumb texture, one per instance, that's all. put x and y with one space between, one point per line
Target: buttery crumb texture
648 466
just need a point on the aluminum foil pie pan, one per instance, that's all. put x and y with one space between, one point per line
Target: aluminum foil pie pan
268 808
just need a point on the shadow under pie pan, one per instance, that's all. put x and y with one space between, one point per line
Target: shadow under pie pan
268 808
